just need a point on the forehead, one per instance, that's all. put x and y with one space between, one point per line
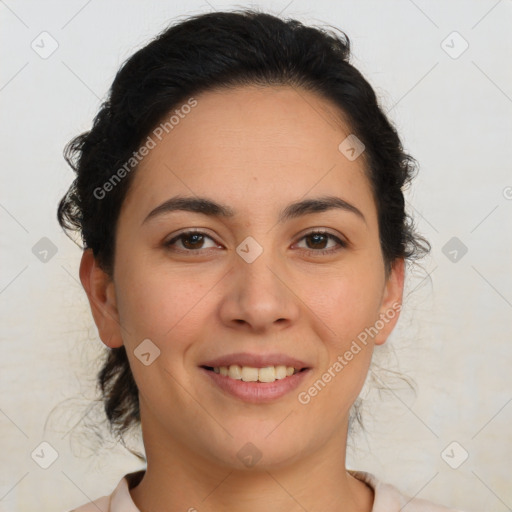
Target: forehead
252 145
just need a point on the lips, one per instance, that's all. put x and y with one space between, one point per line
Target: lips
255 378
255 392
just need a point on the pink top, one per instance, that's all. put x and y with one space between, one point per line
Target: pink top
387 498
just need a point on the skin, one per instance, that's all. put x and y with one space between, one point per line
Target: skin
255 149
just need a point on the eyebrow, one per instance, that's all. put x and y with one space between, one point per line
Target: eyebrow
213 209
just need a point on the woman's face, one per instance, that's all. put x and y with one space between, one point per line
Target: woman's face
255 288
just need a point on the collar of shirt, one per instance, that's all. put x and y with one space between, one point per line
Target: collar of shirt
386 497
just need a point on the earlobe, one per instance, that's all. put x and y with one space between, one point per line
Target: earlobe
391 301
100 290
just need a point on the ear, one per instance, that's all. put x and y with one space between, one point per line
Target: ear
391 302
100 291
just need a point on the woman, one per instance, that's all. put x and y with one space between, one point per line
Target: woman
240 202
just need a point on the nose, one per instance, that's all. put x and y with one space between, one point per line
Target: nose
259 296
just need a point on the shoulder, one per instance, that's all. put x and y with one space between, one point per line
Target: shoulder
99 505
120 499
388 498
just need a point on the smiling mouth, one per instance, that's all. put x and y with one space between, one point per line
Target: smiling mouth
252 374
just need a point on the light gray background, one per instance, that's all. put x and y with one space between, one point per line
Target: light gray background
454 116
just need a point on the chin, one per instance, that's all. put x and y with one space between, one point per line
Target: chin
260 447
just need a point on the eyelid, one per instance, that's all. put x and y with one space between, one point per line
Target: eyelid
323 231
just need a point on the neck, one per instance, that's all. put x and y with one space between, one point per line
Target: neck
177 479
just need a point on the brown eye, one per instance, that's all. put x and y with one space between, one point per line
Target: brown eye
190 241
316 242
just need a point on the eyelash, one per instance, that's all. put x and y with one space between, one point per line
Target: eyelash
314 252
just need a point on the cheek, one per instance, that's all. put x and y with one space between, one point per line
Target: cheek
348 306
347 303
159 305
166 308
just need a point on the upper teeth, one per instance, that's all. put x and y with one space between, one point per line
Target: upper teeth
251 374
